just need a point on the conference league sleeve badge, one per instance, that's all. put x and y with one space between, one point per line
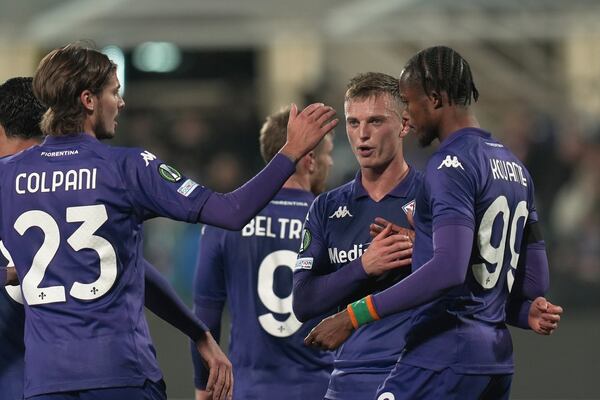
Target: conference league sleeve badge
169 173
306 239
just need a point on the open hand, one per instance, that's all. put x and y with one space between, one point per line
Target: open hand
220 373
306 129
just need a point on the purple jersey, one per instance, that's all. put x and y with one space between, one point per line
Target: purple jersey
252 270
74 208
12 323
471 180
336 233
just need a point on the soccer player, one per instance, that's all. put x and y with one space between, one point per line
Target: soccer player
74 208
20 115
333 267
252 271
474 215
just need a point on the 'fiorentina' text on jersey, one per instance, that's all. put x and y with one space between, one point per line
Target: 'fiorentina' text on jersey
473 180
252 270
74 208
337 228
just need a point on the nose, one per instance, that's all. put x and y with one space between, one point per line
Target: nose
121 103
363 132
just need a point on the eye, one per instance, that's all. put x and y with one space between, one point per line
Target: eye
352 123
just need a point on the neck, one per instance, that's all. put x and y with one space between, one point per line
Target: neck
378 183
297 182
12 146
457 118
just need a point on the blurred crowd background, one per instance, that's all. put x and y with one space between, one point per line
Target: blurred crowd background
200 76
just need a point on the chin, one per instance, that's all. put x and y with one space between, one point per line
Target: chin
105 135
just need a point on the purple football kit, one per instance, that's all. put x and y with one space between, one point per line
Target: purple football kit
329 275
252 271
74 208
474 183
12 350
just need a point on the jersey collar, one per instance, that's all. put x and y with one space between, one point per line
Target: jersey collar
463 132
76 137
401 190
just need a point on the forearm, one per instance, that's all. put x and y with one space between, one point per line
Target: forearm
235 209
211 315
447 268
532 278
162 300
317 294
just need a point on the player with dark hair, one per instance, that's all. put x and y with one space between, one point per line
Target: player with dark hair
252 271
474 215
20 116
334 266
74 207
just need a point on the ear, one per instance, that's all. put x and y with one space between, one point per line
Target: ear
310 162
437 100
88 100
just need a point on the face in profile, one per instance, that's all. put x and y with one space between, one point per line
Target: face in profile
374 127
418 110
323 164
110 103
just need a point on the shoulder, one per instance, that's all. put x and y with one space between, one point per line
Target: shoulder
333 198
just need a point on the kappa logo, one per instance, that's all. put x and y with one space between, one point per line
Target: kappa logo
341 212
451 162
147 157
409 208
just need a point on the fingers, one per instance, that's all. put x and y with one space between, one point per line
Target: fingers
384 233
212 377
293 111
328 127
554 309
324 117
230 391
312 108
218 390
374 230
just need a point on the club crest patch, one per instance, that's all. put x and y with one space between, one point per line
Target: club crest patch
409 208
169 173
306 239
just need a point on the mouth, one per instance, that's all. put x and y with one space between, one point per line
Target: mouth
406 126
365 151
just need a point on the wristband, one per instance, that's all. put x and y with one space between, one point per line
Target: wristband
362 312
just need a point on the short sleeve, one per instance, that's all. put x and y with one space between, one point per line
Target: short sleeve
158 189
452 188
312 254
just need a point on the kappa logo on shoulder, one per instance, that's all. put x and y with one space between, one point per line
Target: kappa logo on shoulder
147 157
341 212
451 162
